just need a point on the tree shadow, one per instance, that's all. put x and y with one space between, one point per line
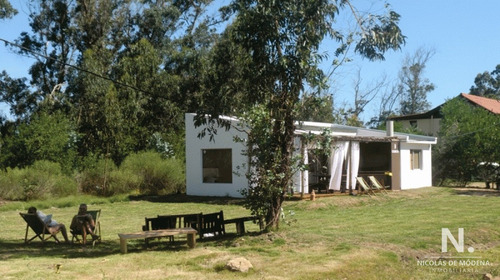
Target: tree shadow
477 192
183 198
15 249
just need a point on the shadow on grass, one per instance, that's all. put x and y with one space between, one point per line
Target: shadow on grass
183 198
476 192
14 249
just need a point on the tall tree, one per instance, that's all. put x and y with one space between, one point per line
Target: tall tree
468 137
276 44
413 87
364 94
487 84
6 9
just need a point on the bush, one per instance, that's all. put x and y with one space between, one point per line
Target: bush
156 176
42 180
96 178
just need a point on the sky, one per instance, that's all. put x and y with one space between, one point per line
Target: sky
464 34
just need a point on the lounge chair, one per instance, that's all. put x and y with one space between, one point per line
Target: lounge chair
364 186
377 184
96 214
39 227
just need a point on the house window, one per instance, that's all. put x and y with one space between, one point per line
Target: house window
217 166
413 124
415 159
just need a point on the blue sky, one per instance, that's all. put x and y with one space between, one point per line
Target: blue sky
464 34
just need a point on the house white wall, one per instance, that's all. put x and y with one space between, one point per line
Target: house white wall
194 161
416 178
409 179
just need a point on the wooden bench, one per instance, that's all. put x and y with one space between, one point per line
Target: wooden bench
240 223
190 232
207 225
172 222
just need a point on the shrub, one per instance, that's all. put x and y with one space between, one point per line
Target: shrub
96 178
157 176
42 180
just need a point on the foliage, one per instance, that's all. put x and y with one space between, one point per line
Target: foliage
42 180
265 57
487 84
6 10
315 108
95 179
118 71
412 87
159 145
45 137
468 136
155 175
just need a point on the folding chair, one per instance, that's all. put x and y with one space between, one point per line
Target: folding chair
377 184
96 214
364 186
39 227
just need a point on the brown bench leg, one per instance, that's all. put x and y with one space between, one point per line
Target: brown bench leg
123 245
191 240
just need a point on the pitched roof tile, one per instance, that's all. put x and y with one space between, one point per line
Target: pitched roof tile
489 104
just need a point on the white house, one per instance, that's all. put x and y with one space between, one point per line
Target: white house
403 161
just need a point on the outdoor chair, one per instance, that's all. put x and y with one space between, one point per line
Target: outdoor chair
96 214
364 186
39 227
377 184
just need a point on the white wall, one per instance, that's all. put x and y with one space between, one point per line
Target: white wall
417 178
194 163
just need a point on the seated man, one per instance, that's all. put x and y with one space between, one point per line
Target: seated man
83 223
53 226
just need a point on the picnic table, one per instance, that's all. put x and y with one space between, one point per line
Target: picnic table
190 232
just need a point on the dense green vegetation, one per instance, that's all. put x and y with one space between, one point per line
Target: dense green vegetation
340 237
468 148
144 173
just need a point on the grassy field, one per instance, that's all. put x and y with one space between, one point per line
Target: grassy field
389 237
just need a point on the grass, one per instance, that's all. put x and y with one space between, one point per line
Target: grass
330 238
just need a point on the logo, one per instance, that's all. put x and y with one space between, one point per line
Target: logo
459 245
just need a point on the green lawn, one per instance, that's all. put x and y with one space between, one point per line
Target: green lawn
388 237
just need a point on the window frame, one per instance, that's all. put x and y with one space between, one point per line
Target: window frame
416 163
214 168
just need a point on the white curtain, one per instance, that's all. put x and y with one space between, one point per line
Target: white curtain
337 156
353 165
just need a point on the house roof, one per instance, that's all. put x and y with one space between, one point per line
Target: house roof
345 132
431 114
492 105
359 133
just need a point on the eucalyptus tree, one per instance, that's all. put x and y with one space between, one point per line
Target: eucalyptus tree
487 84
413 87
268 54
6 9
